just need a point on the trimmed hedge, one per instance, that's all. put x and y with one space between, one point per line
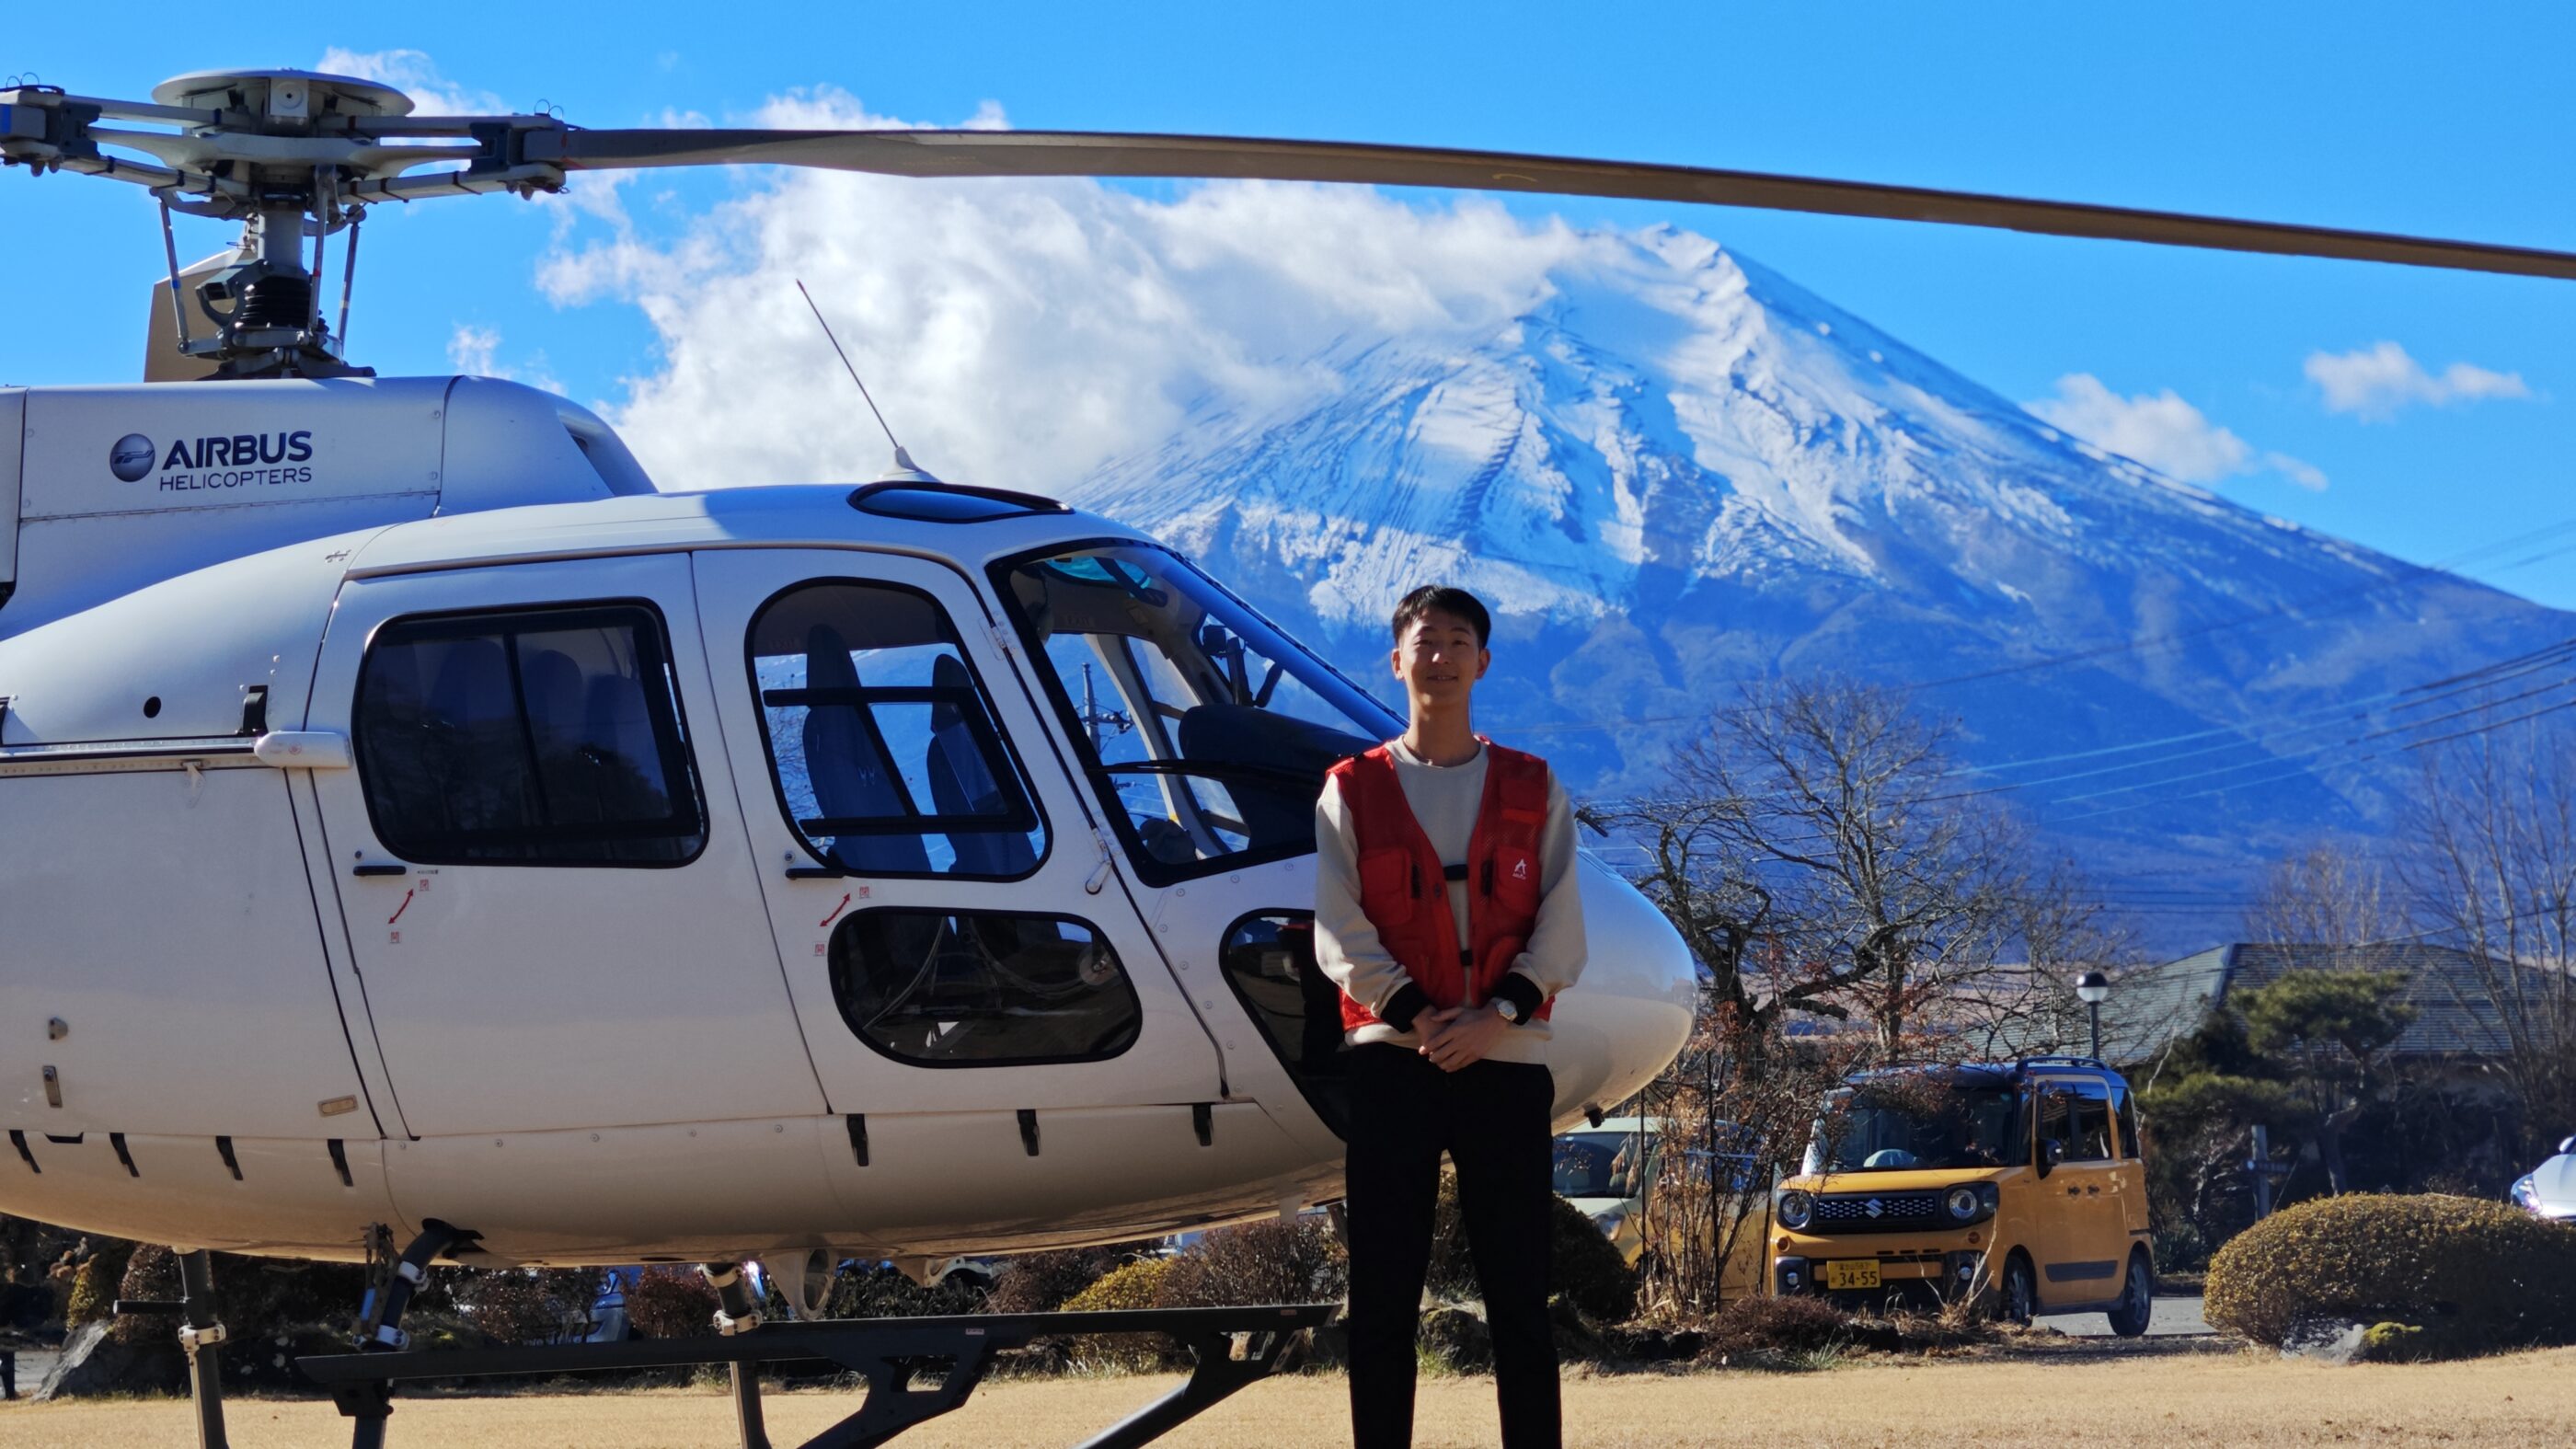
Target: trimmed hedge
1139 1284
2471 1276
1135 1285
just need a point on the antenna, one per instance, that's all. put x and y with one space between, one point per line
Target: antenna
904 470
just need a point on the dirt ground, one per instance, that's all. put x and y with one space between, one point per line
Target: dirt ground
2191 1399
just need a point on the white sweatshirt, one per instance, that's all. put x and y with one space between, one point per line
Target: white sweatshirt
1444 800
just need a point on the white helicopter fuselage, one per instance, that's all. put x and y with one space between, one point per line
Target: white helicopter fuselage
408 813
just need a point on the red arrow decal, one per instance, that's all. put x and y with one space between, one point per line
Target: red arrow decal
406 905
836 910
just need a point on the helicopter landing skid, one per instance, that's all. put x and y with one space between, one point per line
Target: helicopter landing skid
916 1368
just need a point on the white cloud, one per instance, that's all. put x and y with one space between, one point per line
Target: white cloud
477 350
1019 333
474 349
414 74
2164 432
2378 382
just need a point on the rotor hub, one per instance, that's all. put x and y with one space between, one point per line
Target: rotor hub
281 102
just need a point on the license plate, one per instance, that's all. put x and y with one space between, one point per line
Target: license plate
1855 1273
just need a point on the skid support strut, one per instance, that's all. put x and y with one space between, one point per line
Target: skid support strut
380 1332
916 1368
200 1331
737 1312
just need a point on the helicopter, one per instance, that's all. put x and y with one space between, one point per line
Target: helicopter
450 836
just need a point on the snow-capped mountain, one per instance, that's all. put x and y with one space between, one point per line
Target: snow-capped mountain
1680 470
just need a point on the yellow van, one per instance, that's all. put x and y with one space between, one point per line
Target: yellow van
2015 1185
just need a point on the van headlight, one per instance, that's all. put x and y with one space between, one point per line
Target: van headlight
1797 1209
2526 1195
1962 1203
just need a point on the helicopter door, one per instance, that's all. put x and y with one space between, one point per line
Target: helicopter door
1204 732
935 893
540 861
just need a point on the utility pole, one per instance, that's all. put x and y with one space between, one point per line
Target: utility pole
1093 716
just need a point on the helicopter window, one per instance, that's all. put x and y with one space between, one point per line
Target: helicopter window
982 988
887 761
948 502
1269 961
543 738
1206 730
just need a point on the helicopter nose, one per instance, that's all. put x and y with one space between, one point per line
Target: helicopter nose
1629 1015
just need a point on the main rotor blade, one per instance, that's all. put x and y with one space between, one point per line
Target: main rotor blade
1079 153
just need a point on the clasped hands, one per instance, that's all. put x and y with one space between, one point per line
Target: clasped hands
1459 1036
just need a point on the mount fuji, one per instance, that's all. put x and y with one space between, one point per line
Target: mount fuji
1679 471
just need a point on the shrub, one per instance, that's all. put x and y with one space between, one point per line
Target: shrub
2473 1276
1131 1285
1040 1282
1263 1262
879 1290
1583 1268
669 1302
1139 1284
95 1284
529 1305
151 1271
1778 1326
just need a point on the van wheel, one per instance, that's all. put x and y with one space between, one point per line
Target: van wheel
2016 1298
2137 1300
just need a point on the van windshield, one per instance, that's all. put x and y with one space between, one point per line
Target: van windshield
1602 1164
1915 1123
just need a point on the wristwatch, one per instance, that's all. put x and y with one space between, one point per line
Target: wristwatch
1508 1009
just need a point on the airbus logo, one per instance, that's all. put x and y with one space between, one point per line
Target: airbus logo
132 457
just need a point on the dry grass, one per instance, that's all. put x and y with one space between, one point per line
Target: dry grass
2189 1399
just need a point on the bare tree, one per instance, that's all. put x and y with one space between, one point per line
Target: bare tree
2327 895
1816 853
2489 866
1885 885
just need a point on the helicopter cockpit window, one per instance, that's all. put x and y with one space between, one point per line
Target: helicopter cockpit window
886 758
982 988
550 737
1205 728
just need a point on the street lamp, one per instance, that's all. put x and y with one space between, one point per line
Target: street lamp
2093 988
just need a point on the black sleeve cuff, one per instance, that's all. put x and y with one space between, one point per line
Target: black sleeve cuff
1523 993
1408 1002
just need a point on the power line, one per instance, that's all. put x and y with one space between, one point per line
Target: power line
2293 774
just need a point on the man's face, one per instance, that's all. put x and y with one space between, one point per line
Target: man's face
1439 659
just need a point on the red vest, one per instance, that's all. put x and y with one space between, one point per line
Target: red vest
1404 887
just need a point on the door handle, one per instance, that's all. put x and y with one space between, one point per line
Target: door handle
379 869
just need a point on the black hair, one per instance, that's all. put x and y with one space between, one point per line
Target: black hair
1457 602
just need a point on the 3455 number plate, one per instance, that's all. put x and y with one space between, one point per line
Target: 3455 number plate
1852 1273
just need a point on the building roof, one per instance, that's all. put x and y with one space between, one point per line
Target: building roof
2450 989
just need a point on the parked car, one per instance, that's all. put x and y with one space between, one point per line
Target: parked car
2016 1185
2549 1190
1610 1172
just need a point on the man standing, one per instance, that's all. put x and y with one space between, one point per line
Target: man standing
1446 911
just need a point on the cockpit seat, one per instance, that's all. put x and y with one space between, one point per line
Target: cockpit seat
851 773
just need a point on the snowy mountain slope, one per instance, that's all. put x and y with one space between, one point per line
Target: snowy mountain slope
1680 470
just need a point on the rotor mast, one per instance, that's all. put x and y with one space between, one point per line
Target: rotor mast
295 157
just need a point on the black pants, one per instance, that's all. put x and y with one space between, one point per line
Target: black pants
1492 1120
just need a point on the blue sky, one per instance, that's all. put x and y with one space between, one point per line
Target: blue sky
2367 115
